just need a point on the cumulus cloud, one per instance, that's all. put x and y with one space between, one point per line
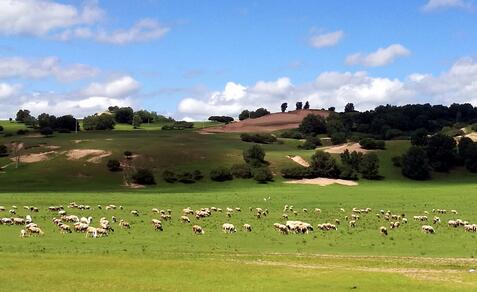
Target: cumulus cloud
381 57
18 67
116 88
432 5
326 40
458 84
8 90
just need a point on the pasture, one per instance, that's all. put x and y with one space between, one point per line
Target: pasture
176 259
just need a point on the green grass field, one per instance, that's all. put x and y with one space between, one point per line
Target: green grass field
177 260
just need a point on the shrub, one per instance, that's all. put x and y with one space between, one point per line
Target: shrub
241 170
221 174
254 156
369 166
292 134
258 138
313 125
310 143
471 158
47 131
419 137
371 144
181 125
441 151
415 164
474 127
98 122
186 178
22 132
1 128
144 176
113 165
3 150
324 165
221 119
338 138
392 133
348 172
169 176
197 175
262 174
297 172
128 154
397 161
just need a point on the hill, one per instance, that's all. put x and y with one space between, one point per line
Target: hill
269 123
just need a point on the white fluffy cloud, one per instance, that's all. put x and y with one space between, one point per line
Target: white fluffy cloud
40 17
116 88
432 5
458 84
17 67
326 40
8 90
381 57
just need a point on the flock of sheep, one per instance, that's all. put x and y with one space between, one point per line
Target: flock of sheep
67 222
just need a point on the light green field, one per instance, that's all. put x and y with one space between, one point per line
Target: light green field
176 259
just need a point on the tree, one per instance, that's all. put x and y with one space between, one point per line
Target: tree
415 164
331 109
338 138
22 115
45 120
3 150
470 161
47 131
349 108
67 122
419 137
260 112
441 151
101 122
241 170
369 166
262 174
254 156
221 174
299 105
113 165
313 125
245 114
284 107
124 115
307 105
144 176
136 122
324 165
221 119
352 160
463 146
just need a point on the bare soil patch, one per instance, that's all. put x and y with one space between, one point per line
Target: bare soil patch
321 181
299 160
338 149
134 186
93 155
472 136
35 157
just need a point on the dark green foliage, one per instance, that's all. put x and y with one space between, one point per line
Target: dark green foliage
419 137
307 105
397 161
181 125
169 176
1 128
393 133
331 109
347 172
245 114
123 115
338 138
221 119
369 166
313 125
260 112
470 161
349 108
241 170
441 151
197 175
297 172
143 176
463 145
415 164
474 127
113 165
372 144
98 122
66 122
3 150
152 117
128 154
262 174
351 160
221 174
47 131
310 143
324 165
22 132
258 138
22 116
292 134
299 105
136 122
254 156
284 107
184 177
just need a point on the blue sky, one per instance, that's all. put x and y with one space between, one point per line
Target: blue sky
192 59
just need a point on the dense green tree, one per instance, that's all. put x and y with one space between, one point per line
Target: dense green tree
299 105
284 107
441 151
463 145
98 122
245 114
313 125
349 108
324 165
307 105
254 156
369 166
22 115
415 164
124 115
262 174
136 122
470 161
419 137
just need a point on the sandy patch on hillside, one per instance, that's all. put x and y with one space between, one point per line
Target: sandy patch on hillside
93 155
472 136
35 157
342 148
202 132
299 160
321 181
134 186
79 141
51 147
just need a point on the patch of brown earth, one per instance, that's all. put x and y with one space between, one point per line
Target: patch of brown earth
338 149
321 181
35 157
95 155
299 160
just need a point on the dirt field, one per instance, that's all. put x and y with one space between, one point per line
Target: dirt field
342 148
321 181
268 123
95 155
299 160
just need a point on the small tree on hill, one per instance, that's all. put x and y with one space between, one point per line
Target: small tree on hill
312 125
349 108
284 107
299 105
245 114
307 105
254 156
415 164
136 122
441 151
369 166
419 137
324 165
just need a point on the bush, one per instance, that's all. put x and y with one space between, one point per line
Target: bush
369 166
415 164
47 131
241 170
313 125
98 122
348 172
144 176
371 144
3 150
22 132
419 137
310 143
292 134
338 138
181 125
441 151
186 178
113 165
169 176
297 172
397 161
221 119
262 174
221 174
8 135
258 138
197 175
254 156
452 132
324 165
474 127
392 133
1 128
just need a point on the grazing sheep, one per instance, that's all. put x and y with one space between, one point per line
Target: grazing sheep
454 212
64 228
157 224
247 227
436 220
285 216
135 213
23 233
12 211
7 221
228 228
238 209
2 208
281 227
404 220
342 210
427 229
35 231
124 224
337 221
185 219
352 223
383 230
197 229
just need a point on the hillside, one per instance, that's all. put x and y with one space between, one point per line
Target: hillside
268 123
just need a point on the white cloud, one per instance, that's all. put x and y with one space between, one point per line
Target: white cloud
432 5
17 67
40 17
116 88
326 40
458 84
381 57
7 90
142 31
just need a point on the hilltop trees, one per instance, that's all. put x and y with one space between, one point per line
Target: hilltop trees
324 165
349 108
260 112
221 119
98 122
136 122
307 105
313 125
123 115
284 107
419 137
299 105
23 115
